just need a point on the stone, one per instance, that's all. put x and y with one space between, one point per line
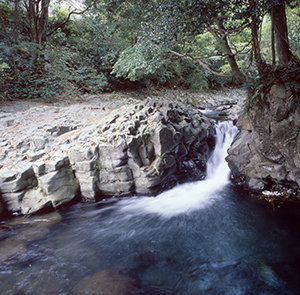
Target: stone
79 154
113 154
38 143
60 186
106 282
89 186
57 162
240 153
267 148
13 200
163 140
135 149
17 178
35 200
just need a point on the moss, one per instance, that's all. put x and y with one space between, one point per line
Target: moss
258 88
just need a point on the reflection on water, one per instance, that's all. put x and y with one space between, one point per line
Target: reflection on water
233 246
199 238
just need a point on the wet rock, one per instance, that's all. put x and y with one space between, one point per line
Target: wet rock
3 210
268 276
267 149
30 233
106 282
11 247
38 220
46 282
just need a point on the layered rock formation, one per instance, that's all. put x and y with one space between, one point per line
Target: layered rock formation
95 152
267 149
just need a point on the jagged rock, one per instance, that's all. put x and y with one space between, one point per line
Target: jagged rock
14 182
38 143
137 148
267 149
35 200
60 186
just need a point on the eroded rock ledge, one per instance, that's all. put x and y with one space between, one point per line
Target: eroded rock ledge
95 152
266 152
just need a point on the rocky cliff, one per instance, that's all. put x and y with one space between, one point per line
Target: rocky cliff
266 151
52 156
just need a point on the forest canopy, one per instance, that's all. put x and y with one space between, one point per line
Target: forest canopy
51 48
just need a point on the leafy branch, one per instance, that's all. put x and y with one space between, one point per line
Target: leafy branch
185 56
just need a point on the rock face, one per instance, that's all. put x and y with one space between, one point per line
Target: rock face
267 148
138 148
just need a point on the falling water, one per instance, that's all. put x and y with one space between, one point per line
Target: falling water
202 238
191 196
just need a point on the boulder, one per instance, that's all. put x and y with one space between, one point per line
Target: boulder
14 182
267 149
140 148
60 186
86 165
35 200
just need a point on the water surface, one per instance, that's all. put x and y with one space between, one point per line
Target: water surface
207 237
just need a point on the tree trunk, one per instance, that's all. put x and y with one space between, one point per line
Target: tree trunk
43 21
273 45
37 13
283 49
260 63
16 21
236 72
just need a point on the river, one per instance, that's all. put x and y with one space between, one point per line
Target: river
207 237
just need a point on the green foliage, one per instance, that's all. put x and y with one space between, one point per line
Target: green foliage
293 18
3 66
256 92
57 74
294 134
197 81
137 61
259 87
97 165
148 131
120 42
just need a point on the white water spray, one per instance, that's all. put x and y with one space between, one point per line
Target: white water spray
190 196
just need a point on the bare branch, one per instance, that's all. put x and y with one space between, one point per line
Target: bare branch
200 62
60 25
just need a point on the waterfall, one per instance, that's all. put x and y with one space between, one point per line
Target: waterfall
190 196
217 169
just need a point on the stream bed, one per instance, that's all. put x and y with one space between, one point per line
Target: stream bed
207 237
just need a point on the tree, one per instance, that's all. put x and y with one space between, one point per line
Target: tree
37 16
175 25
184 20
279 24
